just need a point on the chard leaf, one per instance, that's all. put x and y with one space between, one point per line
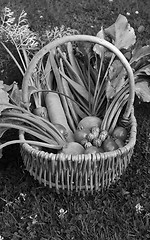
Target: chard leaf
5 87
4 100
115 69
110 31
142 90
110 91
16 94
144 71
121 33
139 53
1 85
124 33
116 79
98 49
8 88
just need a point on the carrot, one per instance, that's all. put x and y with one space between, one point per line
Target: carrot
67 92
56 112
60 87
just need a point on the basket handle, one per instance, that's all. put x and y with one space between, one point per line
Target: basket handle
85 38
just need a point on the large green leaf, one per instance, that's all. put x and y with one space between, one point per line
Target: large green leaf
124 33
4 100
140 53
16 94
98 48
142 90
121 33
144 71
116 79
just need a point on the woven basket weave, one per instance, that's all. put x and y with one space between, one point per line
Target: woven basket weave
80 173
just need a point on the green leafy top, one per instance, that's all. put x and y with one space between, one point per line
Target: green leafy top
122 35
17 32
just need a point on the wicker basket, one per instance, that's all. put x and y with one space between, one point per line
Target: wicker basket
80 173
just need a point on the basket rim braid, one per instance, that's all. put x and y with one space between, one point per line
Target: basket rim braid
83 172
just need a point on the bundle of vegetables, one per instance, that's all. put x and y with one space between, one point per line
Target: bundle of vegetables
74 94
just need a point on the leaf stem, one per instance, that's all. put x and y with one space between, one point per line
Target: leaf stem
28 130
36 143
14 59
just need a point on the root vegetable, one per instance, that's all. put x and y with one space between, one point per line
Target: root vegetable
93 149
90 122
73 148
109 145
120 132
41 111
61 129
79 135
119 142
56 112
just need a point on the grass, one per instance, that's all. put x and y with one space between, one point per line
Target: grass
31 211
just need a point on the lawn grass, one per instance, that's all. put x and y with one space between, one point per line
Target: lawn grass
31 211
